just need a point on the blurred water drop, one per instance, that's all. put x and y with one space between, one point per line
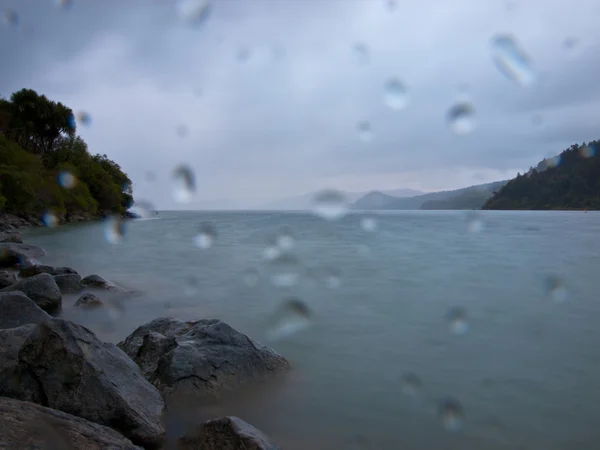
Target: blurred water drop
332 278
206 236
369 224
114 229
64 4
457 320
251 277
411 384
182 131
361 53
243 54
292 317
285 270
511 60
10 18
84 118
66 179
551 162
365 132
49 219
587 151
194 12
191 286
570 43
330 204
555 288
184 183
474 222
395 94
285 238
461 118
143 209
392 5
451 414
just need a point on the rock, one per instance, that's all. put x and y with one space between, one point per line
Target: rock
16 309
96 281
33 270
207 356
27 425
12 254
42 289
69 283
226 433
88 300
64 366
7 279
11 236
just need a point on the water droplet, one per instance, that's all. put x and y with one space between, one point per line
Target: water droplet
555 287
84 118
457 320
451 414
392 5
64 4
184 183
11 18
395 94
206 237
332 278
365 132
114 229
587 151
285 270
461 118
361 53
243 54
474 222
285 238
251 277
511 60
293 316
570 43
551 162
411 384
143 208
191 286
66 179
182 131
369 224
49 219
194 12
330 204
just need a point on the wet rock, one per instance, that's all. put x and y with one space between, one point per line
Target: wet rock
27 425
76 373
206 356
42 289
88 300
97 282
11 236
16 309
36 269
69 283
12 254
7 279
226 433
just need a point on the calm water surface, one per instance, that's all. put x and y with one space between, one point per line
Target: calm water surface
526 372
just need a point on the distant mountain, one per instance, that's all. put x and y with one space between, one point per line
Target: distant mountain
570 180
304 202
472 197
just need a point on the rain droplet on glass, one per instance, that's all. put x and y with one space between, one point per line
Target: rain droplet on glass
191 286
461 118
361 53
292 317
194 12
84 118
570 43
411 384
285 270
206 236
368 224
285 238
66 179
114 229
457 320
49 219
184 184
64 4
587 151
555 288
143 209
451 414
365 133
392 5
474 222
182 131
271 250
395 94
511 60
10 18
243 54
330 204
332 278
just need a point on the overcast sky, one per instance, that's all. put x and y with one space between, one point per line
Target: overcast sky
271 92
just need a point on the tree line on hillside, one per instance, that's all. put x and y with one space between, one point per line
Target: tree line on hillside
39 147
570 180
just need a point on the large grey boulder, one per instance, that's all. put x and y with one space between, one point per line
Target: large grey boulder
33 270
62 365
16 309
97 282
28 425
88 301
42 289
207 356
69 283
226 433
7 279
12 254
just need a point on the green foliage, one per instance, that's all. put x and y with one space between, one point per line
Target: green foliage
569 181
37 144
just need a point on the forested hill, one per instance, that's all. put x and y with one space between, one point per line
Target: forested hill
570 180
46 168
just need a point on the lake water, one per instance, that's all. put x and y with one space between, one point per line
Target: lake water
524 369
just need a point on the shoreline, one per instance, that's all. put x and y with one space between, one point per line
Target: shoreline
10 223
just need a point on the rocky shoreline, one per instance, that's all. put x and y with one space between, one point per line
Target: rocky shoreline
10 223
62 387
